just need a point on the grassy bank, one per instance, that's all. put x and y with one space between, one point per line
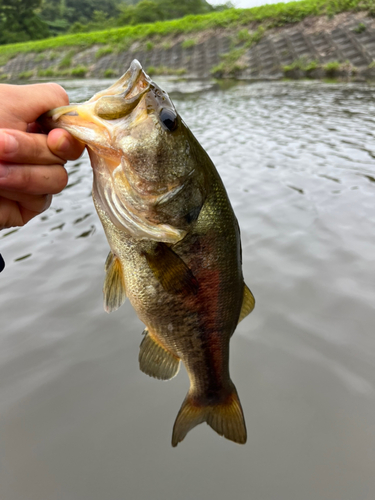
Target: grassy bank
268 16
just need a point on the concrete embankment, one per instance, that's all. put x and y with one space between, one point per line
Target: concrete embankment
315 47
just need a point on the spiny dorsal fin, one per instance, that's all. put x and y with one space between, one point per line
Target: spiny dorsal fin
114 284
248 303
171 271
155 361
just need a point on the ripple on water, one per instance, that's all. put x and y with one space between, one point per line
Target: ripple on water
297 160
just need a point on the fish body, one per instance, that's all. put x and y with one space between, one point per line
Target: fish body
174 240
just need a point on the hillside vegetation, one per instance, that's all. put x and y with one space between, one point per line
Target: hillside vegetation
267 15
221 44
24 20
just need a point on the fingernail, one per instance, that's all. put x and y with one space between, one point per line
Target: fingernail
10 143
63 145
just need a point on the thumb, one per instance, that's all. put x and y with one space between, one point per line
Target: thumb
23 104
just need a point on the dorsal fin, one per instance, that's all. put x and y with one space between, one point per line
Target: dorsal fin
171 271
114 284
248 303
155 360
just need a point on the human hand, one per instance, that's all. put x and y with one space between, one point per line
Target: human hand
31 164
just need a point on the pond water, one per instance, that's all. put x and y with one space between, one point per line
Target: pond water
80 421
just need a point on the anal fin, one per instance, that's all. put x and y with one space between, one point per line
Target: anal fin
156 361
114 290
248 303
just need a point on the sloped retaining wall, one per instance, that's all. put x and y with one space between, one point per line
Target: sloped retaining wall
348 39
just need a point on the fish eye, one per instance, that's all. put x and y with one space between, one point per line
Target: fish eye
168 119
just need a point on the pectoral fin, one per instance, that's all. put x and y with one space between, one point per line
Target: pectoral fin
108 261
171 271
155 361
114 284
248 303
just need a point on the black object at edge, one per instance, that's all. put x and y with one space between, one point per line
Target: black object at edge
2 263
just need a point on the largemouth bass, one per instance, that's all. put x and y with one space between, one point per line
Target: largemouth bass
174 240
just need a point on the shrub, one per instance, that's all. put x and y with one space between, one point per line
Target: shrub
123 45
243 36
66 61
103 51
165 70
301 64
109 73
79 71
46 72
121 38
40 57
188 43
360 28
25 75
332 68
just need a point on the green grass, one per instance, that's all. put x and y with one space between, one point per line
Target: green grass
231 62
166 45
66 61
301 64
332 68
25 75
165 70
270 15
242 36
109 73
40 57
123 45
46 72
103 51
188 43
79 71
368 5
4 58
149 45
360 28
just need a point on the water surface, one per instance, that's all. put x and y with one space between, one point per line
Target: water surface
78 420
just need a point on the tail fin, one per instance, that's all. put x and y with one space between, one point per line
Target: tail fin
225 417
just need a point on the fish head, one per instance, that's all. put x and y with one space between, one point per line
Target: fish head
148 176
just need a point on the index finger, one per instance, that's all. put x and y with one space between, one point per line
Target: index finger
23 104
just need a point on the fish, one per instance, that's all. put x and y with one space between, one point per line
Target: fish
175 248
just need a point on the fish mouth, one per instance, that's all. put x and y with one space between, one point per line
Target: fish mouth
89 121
110 123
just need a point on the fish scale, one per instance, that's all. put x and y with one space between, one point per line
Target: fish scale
175 248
